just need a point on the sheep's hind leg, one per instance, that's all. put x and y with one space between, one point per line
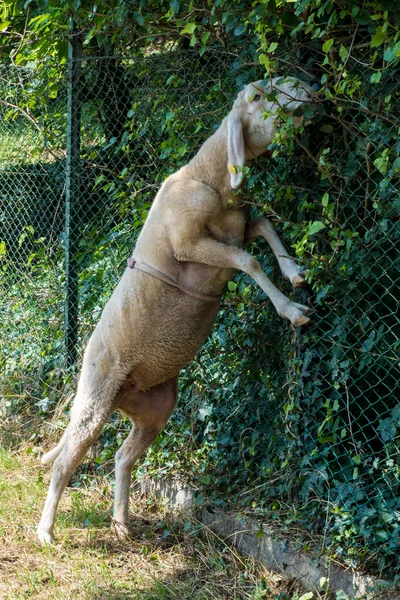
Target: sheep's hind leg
84 428
149 412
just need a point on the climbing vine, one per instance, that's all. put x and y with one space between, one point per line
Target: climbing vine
300 428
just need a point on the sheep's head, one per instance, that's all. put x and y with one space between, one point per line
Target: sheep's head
252 121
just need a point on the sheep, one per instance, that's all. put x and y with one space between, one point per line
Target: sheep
166 302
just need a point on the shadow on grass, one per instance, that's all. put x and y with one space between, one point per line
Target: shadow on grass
187 584
159 561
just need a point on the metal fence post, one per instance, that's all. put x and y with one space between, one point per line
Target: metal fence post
72 193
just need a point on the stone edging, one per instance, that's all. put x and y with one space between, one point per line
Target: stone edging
275 554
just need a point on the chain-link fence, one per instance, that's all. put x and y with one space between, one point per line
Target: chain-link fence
300 427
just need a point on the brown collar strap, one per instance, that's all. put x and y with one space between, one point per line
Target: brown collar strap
134 264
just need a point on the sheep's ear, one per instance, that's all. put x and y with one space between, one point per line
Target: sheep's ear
236 151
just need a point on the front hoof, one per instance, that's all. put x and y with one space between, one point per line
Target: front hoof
298 314
302 316
299 321
299 281
46 538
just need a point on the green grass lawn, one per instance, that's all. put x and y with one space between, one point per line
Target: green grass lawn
165 558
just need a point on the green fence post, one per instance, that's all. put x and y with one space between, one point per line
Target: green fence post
72 193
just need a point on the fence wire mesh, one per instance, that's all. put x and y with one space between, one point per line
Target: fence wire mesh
300 427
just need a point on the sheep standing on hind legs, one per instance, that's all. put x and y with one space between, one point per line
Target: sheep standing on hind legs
165 305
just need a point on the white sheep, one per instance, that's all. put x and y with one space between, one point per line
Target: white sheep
165 305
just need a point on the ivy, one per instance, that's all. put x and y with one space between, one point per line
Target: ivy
299 428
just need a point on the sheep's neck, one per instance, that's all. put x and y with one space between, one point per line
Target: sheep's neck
210 165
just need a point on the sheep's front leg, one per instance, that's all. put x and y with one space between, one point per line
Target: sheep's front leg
216 254
263 227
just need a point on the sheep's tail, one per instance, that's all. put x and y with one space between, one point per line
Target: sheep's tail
51 455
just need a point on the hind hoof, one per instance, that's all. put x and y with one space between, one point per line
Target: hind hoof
122 530
46 538
299 281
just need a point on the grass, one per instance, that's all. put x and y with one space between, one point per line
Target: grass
165 559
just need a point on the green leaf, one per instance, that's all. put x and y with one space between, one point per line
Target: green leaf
328 45
381 162
392 52
62 48
101 38
382 534
199 500
396 164
386 516
272 47
175 5
4 25
387 429
389 54
240 29
326 128
90 35
377 38
231 286
36 21
189 28
343 52
307 596
315 227
376 77
362 17
323 581
139 18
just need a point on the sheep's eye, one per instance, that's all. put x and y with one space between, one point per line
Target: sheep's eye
256 97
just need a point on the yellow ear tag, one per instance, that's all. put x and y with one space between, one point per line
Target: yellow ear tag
233 169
